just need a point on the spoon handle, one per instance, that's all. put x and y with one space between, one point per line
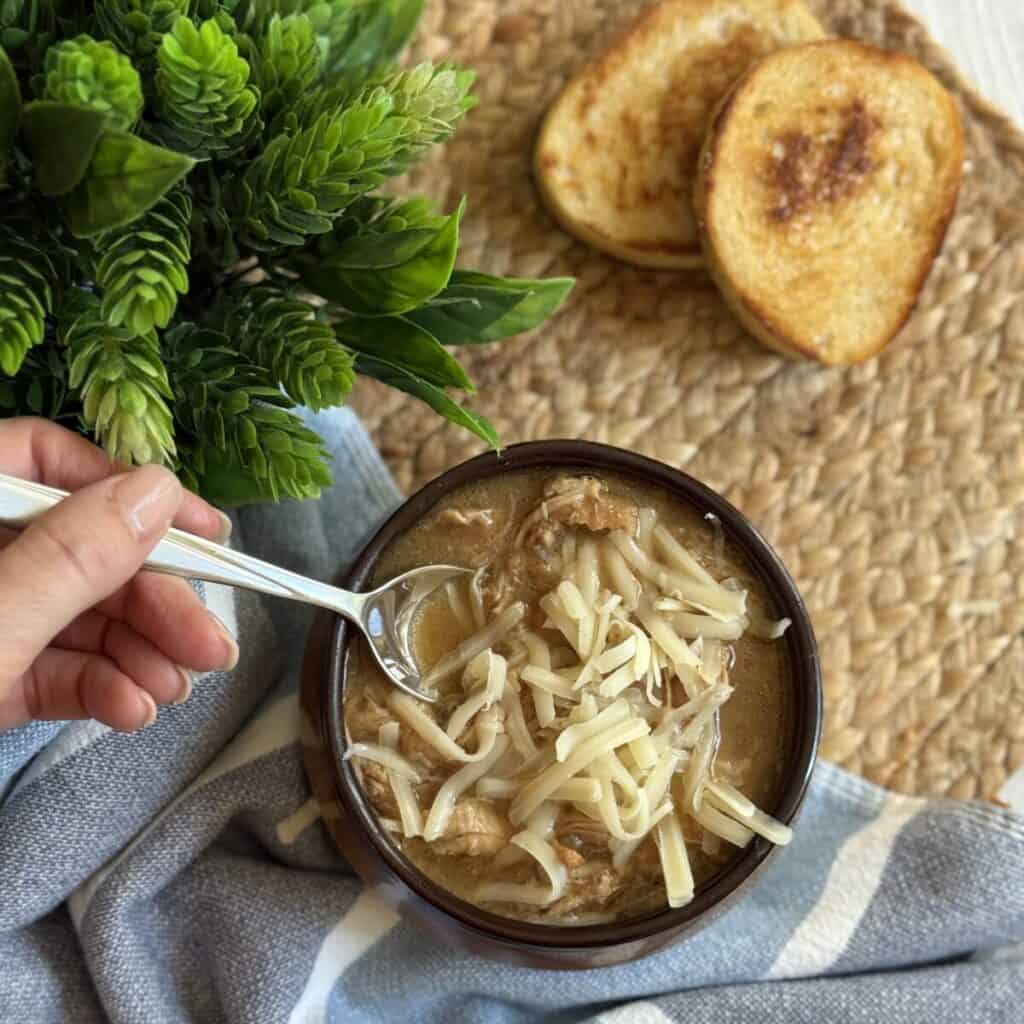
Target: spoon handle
182 554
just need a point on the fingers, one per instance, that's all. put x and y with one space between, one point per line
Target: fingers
87 552
76 555
72 684
164 609
39 450
148 667
167 612
204 520
145 664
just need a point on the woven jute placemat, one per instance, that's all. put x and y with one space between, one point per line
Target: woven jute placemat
892 490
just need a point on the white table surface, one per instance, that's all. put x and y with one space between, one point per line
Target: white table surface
986 38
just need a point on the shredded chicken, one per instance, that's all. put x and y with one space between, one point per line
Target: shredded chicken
583 834
645 862
481 518
534 561
570 858
525 568
575 501
476 845
543 539
476 829
378 788
590 506
587 891
364 719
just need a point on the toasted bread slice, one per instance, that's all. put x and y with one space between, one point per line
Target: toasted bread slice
826 185
617 153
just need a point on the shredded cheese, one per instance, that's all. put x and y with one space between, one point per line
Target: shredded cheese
678 557
511 892
486 675
408 806
572 736
489 636
408 710
731 801
390 759
541 788
723 826
675 864
463 616
540 656
588 575
444 803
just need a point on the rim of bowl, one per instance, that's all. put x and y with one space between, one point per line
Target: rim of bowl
763 561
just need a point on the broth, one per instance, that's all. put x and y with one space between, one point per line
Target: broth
482 856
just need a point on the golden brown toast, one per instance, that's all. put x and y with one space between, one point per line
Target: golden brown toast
826 185
617 153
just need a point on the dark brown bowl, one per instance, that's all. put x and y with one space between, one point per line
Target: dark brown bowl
353 824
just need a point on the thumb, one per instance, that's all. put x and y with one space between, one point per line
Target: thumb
77 555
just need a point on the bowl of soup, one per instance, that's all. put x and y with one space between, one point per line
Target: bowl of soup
627 712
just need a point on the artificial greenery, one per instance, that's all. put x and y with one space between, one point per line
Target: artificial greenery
192 240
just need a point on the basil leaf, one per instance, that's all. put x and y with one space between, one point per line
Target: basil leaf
10 108
458 318
397 377
378 252
125 178
477 308
405 345
391 290
62 139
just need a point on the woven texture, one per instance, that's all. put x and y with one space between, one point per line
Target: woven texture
893 490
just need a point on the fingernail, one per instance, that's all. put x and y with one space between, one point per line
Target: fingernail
226 526
186 686
232 654
149 496
148 706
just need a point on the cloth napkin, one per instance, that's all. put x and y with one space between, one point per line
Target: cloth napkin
182 874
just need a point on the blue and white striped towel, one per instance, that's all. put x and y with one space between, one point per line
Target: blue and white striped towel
182 874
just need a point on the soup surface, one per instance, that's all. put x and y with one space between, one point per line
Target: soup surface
614 702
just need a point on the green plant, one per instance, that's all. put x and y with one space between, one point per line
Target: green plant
192 244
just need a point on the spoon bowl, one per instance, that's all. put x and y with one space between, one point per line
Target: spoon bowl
387 618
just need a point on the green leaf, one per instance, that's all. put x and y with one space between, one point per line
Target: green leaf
477 308
126 177
10 108
227 483
458 318
405 15
397 377
390 290
407 346
372 34
379 252
62 139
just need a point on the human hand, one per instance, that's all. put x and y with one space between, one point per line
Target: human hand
83 634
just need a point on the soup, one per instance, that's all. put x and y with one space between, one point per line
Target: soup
613 704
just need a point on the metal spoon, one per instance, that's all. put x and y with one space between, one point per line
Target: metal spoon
385 615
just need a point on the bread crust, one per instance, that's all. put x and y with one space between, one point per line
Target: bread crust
845 173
